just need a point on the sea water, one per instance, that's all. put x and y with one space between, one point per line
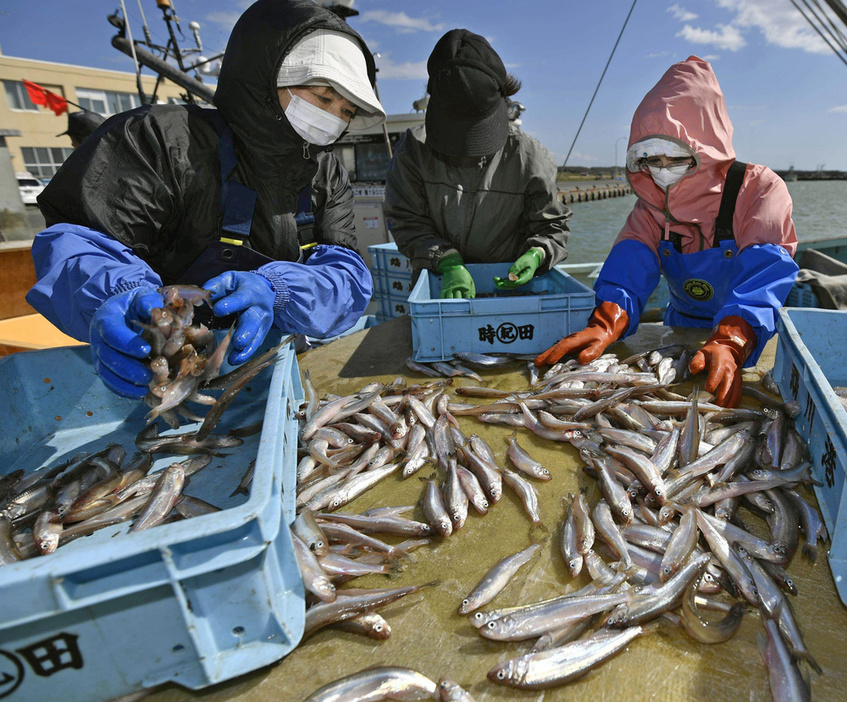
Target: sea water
820 212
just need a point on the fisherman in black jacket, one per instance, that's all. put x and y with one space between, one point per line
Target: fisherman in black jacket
245 200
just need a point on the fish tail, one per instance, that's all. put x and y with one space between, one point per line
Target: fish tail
809 658
810 551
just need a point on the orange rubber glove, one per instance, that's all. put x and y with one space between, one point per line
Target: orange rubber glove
607 323
723 354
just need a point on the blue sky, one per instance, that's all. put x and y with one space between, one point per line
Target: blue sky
785 89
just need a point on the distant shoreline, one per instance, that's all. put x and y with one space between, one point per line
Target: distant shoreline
786 175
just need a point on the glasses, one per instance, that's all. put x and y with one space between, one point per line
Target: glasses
676 165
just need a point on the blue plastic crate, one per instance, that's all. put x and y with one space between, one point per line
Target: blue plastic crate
388 259
802 295
395 285
393 306
197 601
392 274
811 358
519 323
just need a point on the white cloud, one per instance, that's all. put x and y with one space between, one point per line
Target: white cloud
227 20
681 13
726 36
710 57
408 70
779 22
840 108
400 21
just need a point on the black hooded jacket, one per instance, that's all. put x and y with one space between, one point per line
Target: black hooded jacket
151 176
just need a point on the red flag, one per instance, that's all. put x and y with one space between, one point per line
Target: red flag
56 103
42 96
36 93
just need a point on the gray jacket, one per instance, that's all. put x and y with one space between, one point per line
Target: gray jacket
490 212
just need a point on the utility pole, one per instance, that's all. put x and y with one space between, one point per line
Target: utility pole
170 17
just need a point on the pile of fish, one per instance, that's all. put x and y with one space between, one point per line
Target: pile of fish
46 508
664 542
672 472
349 444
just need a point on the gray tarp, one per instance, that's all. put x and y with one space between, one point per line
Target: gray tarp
826 276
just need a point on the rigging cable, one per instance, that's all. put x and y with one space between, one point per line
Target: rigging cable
819 31
134 58
591 102
819 13
835 28
838 8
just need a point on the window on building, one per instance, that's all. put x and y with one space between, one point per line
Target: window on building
43 162
371 161
106 102
18 97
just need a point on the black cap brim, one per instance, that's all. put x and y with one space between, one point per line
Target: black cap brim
460 136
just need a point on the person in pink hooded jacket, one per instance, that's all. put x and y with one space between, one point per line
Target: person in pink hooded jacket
719 230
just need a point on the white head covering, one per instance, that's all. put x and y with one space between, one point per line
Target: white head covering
655 146
335 59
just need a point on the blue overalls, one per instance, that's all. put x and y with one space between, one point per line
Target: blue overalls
699 282
705 286
231 250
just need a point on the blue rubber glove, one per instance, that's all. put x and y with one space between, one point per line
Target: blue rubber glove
251 297
523 269
116 343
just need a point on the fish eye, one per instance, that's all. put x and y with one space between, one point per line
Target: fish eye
465 602
501 674
492 625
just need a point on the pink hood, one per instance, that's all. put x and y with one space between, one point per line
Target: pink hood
687 106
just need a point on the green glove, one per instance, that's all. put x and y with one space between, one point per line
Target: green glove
522 270
457 281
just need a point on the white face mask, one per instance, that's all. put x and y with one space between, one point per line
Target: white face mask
315 125
664 177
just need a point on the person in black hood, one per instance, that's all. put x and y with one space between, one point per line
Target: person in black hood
469 185
246 200
81 125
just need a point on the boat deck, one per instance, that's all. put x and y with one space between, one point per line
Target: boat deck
429 636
